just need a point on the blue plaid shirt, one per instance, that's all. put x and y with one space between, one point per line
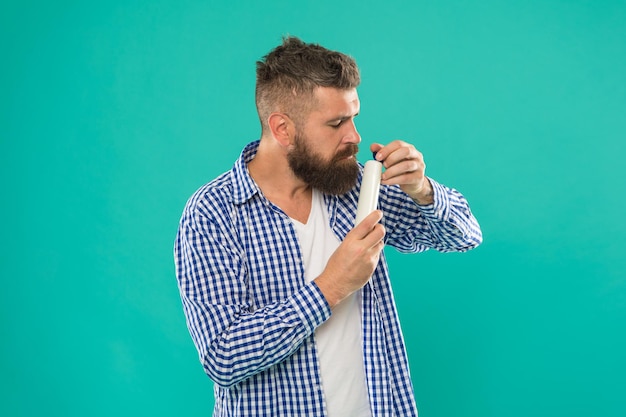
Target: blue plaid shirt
252 315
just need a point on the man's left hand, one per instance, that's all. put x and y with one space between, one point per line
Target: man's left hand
404 166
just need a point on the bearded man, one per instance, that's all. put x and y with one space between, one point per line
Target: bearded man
288 302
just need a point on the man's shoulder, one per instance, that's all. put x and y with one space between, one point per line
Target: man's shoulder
216 192
234 187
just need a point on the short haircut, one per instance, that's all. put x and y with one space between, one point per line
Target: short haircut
287 77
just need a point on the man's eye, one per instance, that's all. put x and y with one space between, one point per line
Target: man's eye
335 125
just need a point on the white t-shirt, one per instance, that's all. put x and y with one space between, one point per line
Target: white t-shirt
338 340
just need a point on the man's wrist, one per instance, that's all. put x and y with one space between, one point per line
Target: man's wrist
426 196
329 290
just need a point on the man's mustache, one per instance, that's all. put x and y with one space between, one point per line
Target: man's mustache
350 150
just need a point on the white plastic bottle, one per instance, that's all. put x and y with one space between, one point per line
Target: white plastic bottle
370 188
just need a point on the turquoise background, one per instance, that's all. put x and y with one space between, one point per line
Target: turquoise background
113 112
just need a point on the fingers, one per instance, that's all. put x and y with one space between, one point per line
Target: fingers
354 261
369 234
374 242
362 229
404 172
375 147
404 165
396 152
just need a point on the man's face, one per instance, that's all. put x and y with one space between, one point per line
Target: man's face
324 149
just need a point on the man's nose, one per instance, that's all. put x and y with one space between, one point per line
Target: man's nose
352 136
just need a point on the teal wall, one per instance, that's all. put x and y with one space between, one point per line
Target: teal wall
113 112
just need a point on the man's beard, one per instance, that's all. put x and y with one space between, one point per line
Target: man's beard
336 176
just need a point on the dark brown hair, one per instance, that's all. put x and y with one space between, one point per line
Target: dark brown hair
287 77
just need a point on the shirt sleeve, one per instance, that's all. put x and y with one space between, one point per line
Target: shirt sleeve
446 225
233 341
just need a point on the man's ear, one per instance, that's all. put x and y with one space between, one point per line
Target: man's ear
282 128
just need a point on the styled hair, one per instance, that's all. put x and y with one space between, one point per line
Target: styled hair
287 76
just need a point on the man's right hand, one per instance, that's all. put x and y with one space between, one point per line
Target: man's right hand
354 261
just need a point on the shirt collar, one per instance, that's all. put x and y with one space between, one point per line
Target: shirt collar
244 186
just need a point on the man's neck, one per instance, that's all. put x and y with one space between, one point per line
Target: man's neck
271 172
